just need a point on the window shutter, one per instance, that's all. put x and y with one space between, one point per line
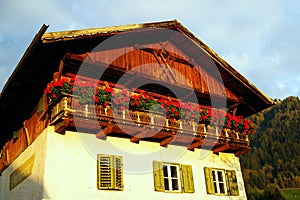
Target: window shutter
158 176
209 180
232 182
187 178
105 172
118 173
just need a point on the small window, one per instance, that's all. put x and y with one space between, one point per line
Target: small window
110 172
220 181
173 177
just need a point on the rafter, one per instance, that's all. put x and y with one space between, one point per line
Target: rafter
104 132
221 148
166 141
195 144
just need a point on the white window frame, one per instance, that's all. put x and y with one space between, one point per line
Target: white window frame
170 179
217 182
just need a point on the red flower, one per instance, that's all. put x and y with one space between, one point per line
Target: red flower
108 89
116 100
173 110
168 103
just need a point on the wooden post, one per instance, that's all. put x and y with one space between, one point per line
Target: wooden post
28 141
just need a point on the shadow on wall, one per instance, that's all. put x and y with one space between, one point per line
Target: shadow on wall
21 183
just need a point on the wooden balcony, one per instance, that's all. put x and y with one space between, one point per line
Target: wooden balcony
141 125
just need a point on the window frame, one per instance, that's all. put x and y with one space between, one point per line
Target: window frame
170 178
229 181
184 177
218 183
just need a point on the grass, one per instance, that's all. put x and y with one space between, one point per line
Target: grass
291 193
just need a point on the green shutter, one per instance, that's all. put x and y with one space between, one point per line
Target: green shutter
209 180
158 176
232 182
187 178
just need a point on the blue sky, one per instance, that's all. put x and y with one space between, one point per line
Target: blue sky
260 39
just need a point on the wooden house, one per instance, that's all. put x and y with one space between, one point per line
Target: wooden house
139 111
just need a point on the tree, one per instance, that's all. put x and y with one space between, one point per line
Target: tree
273 192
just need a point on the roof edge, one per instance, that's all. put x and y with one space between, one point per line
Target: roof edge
61 35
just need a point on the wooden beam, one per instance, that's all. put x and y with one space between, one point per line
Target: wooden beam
221 148
242 151
166 141
104 132
136 138
62 125
195 144
28 140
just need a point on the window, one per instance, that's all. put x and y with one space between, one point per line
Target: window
173 177
109 172
220 181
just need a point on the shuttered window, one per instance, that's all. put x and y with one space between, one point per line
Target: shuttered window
173 177
220 181
109 172
232 182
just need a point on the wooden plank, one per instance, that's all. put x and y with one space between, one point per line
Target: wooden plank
136 138
221 148
242 151
195 144
61 126
166 141
104 132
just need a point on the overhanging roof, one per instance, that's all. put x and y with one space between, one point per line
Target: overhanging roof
25 86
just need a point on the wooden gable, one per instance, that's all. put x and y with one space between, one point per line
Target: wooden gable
160 62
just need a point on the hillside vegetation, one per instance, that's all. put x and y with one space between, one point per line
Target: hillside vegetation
275 148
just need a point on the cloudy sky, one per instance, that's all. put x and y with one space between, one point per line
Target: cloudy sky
261 39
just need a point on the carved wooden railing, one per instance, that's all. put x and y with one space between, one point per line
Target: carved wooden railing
63 108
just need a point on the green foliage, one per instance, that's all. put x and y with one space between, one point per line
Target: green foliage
274 157
291 194
273 192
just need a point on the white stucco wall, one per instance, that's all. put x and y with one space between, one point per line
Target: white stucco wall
66 165
32 187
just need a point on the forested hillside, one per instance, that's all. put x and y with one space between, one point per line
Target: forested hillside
275 147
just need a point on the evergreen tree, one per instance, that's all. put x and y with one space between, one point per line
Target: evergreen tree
274 157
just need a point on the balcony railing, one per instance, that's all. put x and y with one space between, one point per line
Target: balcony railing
141 124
